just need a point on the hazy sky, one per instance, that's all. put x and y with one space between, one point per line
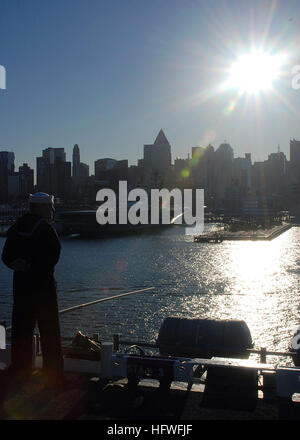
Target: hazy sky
109 74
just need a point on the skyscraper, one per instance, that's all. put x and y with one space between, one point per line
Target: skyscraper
76 160
80 171
7 167
295 160
157 160
157 156
224 170
7 158
102 166
276 174
54 173
26 179
242 171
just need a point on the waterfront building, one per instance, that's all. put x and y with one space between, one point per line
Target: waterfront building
8 157
294 178
84 171
26 180
13 186
224 172
242 172
203 168
76 160
111 170
103 165
135 176
157 161
7 168
257 207
54 173
53 154
276 173
80 171
295 160
179 166
258 178
197 153
270 180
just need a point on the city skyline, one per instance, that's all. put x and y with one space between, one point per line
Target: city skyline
184 155
231 184
188 154
108 76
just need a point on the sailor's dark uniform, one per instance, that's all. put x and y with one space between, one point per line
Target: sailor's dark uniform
34 293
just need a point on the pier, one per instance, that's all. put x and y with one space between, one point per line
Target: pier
255 235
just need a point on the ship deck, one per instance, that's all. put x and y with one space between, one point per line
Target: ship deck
87 397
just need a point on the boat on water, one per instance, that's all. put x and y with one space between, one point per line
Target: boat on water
215 237
84 223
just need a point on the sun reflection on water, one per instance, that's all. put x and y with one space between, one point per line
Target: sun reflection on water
250 281
254 264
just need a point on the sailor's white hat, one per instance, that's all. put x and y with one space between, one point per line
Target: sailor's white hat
41 198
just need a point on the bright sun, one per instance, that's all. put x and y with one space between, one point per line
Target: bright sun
254 72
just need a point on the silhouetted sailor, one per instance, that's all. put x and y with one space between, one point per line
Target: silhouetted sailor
32 249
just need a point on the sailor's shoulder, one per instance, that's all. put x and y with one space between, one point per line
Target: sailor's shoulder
46 228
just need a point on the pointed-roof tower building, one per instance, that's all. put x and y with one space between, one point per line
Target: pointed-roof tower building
161 139
157 156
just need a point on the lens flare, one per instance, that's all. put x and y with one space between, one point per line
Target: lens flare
231 106
185 173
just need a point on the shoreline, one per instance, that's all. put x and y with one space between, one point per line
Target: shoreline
259 235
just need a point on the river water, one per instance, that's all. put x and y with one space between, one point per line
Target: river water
254 281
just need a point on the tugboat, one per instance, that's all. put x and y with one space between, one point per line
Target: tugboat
210 238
